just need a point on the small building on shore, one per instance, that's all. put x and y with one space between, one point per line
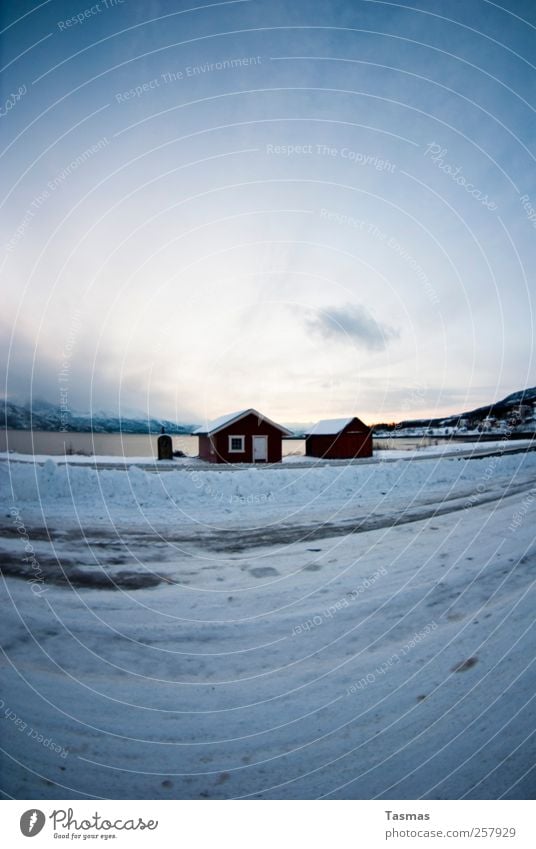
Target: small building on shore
339 439
243 437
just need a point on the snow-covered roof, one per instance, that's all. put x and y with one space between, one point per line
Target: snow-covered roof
220 422
223 421
329 427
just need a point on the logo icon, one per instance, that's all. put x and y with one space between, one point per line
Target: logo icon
31 822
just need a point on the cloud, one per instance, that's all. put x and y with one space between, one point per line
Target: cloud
352 323
88 379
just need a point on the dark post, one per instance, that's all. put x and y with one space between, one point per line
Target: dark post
165 446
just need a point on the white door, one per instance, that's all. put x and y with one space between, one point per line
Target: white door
260 449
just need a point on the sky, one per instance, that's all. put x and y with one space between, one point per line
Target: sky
315 210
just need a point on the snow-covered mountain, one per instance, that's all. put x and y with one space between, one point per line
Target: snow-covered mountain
41 415
524 396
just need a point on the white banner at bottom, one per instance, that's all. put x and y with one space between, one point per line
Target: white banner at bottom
269 824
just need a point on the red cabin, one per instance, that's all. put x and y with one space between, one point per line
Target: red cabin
339 439
243 437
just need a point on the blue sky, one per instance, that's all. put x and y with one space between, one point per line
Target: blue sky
315 210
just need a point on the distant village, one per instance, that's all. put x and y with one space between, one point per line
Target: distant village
519 419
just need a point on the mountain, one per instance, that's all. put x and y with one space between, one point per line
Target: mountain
524 396
41 415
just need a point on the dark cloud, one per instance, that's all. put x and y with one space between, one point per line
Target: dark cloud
352 323
31 372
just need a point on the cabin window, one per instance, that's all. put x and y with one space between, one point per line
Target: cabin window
236 444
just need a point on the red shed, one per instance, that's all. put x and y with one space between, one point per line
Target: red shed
339 439
243 437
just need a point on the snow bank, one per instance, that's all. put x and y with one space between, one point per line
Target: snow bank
263 491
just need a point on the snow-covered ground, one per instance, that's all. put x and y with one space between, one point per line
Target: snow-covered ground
253 496
332 631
